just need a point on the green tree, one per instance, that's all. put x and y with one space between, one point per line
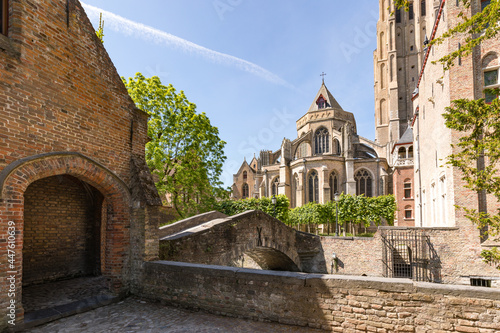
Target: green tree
476 28
477 156
185 152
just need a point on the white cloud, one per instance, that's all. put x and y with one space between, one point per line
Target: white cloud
144 32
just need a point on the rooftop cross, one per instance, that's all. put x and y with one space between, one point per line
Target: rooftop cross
323 74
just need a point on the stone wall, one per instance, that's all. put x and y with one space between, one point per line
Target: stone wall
189 223
453 259
331 302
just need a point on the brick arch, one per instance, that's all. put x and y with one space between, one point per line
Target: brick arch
16 177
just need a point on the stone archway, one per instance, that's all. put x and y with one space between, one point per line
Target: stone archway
21 177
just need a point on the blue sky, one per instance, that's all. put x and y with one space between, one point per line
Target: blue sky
253 66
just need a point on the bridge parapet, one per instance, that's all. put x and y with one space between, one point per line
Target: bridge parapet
269 242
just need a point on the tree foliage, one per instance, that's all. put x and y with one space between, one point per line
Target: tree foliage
477 156
475 29
233 207
351 208
185 152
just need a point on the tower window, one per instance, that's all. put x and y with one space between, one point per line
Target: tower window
398 15
4 16
408 212
491 82
407 188
321 102
411 13
321 141
422 8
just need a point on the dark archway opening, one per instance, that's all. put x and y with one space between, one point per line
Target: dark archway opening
270 259
63 242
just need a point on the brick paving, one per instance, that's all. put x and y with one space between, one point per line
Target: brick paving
139 315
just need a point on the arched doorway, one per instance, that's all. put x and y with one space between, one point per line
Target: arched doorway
72 219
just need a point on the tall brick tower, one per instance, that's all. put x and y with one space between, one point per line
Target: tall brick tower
397 61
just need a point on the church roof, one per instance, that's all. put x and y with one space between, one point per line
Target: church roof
407 137
327 95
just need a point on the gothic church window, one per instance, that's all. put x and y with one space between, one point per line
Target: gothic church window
336 146
245 191
321 141
4 16
274 185
334 185
313 187
363 183
422 8
245 176
398 15
411 13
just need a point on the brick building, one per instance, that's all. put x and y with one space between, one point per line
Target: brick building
76 197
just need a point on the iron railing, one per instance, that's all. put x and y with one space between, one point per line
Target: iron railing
406 254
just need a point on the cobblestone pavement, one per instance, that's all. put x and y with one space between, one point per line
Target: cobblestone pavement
48 295
137 315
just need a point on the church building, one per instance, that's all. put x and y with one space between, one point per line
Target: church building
327 157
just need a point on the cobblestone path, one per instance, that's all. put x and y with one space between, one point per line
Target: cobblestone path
137 315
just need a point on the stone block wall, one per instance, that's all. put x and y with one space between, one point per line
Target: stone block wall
453 259
330 302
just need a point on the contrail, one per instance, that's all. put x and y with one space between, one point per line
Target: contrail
141 31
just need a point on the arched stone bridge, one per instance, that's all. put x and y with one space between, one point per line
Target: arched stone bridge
224 241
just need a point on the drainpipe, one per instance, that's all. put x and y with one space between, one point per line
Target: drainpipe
418 167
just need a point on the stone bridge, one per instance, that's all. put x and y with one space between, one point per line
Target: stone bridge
270 243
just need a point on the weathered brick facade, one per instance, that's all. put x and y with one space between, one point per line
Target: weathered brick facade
65 112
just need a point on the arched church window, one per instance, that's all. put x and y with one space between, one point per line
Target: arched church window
321 141
336 145
275 184
363 183
245 176
245 191
313 187
334 184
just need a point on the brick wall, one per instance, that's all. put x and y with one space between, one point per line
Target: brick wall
61 232
399 176
333 303
65 111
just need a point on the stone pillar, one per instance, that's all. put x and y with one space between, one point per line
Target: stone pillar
326 184
350 187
